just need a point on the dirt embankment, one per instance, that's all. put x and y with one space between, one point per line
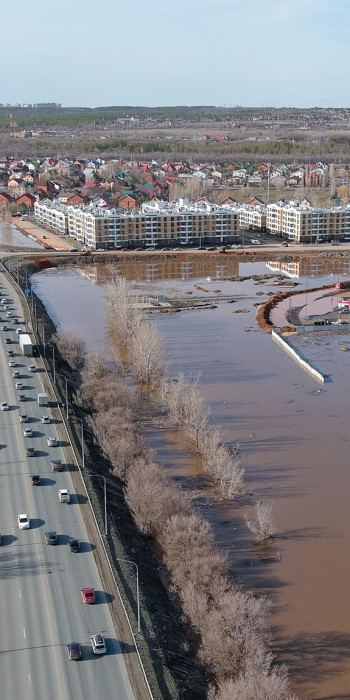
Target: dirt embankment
263 315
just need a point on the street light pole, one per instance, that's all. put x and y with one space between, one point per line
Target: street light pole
99 476
137 592
82 443
54 366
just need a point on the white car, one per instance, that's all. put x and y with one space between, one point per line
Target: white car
45 419
27 432
12 363
23 521
3 301
4 328
52 442
4 406
32 368
19 385
98 644
23 418
16 374
8 314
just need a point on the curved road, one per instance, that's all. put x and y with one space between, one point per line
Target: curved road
41 609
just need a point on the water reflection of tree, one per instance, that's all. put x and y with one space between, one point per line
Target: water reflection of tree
6 226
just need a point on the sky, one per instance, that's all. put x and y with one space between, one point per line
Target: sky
275 53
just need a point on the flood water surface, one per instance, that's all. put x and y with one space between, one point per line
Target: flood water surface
293 436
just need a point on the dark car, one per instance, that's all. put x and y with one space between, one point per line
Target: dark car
10 353
7 341
51 537
21 397
35 480
74 651
30 451
74 545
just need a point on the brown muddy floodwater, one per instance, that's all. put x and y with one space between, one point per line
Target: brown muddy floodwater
294 437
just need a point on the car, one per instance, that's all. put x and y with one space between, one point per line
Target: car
31 368
73 250
151 248
74 651
12 363
254 241
56 465
202 247
19 385
51 537
16 374
74 545
4 406
45 419
27 432
64 496
211 248
4 328
88 595
52 442
14 320
30 451
10 353
21 397
35 480
3 301
98 644
125 249
138 249
284 244
23 418
7 341
100 250
8 314
19 331
23 521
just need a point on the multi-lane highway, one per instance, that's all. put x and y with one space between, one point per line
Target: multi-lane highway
41 607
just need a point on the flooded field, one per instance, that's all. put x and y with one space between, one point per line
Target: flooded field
292 434
10 236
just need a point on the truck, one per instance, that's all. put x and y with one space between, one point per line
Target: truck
42 399
26 344
64 496
56 465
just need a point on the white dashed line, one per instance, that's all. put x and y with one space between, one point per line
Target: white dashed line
24 632
19 593
29 678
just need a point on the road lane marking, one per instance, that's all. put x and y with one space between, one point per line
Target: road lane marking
24 632
29 678
19 593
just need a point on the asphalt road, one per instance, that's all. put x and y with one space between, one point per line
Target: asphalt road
41 608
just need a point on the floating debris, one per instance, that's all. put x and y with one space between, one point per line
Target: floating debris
345 348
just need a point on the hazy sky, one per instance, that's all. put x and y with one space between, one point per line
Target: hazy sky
168 52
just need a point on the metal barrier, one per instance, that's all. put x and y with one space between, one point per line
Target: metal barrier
53 391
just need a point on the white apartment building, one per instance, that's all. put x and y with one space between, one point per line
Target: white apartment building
252 218
52 214
156 223
301 223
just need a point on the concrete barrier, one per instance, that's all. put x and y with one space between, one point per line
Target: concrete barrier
276 335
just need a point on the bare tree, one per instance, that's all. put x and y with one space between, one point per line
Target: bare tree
262 525
151 497
71 349
255 686
122 315
147 353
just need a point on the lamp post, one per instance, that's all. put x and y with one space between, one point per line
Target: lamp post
57 374
137 591
99 476
82 443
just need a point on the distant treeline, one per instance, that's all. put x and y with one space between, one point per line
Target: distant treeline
27 118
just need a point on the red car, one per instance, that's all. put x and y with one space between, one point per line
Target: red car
284 244
88 595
